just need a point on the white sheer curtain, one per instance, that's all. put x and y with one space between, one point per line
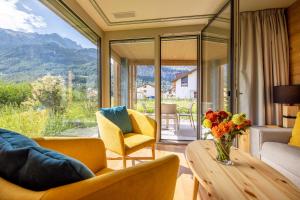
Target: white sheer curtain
264 63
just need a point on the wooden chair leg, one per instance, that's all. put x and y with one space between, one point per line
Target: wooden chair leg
124 162
153 151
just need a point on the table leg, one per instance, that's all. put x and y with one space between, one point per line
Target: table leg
196 188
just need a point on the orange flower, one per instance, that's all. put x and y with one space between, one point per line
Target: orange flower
217 132
247 122
212 116
223 114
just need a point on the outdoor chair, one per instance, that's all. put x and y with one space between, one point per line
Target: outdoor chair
169 111
189 114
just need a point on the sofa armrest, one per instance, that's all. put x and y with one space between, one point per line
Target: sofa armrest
111 134
90 151
151 180
259 135
142 124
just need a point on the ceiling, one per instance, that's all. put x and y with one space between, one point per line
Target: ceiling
252 5
134 50
149 14
113 15
173 50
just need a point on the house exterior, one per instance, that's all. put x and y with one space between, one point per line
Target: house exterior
145 91
185 85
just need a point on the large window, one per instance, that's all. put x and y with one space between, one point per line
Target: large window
132 74
48 73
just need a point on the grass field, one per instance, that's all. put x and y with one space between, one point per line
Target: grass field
37 123
79 114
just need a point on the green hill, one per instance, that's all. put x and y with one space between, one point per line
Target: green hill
27 56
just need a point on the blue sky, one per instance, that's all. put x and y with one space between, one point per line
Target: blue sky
33 16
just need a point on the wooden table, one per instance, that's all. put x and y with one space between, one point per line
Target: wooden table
248 178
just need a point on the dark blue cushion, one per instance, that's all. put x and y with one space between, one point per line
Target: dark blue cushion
16 140
24 162
119 116
13 152
45 169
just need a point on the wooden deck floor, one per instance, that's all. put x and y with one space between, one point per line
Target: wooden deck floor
184 186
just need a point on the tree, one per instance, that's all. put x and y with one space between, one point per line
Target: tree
50 92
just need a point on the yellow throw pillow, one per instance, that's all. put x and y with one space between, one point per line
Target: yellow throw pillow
295 139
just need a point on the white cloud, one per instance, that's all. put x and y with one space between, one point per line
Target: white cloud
15 19
26 7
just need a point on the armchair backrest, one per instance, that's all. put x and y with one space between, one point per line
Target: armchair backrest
168 108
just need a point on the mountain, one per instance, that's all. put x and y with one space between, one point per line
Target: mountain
27 56
145 74
11 38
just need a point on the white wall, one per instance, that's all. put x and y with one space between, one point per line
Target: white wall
145 92
187 92
150 91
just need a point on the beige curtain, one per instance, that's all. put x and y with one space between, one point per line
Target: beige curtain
264 63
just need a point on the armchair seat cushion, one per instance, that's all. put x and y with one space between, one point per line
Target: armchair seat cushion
135 141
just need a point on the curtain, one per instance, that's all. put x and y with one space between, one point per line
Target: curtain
264 63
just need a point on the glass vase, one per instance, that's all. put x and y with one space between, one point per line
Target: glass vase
223 151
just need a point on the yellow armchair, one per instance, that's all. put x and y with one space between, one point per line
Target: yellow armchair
151 180
143 135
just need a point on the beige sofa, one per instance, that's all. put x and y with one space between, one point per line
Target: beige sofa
271 146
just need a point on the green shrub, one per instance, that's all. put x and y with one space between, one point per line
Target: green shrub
55 125
23 120
50 92
14 93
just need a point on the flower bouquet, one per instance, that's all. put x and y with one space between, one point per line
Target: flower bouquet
224 127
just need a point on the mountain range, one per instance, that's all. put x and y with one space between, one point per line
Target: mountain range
27 56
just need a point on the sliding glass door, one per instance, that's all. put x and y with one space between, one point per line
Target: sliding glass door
216 65
179 91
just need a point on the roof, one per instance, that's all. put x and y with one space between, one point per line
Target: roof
182 75
144 85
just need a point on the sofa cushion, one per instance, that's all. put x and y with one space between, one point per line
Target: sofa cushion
119 116
295 139
45 169
288 157
24 162
13 152
15 140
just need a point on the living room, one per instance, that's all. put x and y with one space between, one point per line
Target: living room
175 99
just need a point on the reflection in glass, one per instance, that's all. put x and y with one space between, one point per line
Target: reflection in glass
132 75
216 82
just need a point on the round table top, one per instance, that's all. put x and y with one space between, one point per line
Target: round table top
247 178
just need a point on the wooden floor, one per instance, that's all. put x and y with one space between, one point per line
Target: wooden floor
184 186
